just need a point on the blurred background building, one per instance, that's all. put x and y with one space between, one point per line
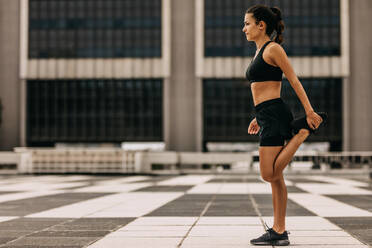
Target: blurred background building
172 71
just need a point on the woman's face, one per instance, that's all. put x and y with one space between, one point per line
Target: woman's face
251 29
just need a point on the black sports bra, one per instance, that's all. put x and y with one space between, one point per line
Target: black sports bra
259 71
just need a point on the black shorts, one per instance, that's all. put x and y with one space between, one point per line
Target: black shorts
274 118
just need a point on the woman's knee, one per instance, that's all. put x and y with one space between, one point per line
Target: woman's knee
267 177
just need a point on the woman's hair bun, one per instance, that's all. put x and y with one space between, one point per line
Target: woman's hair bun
277 12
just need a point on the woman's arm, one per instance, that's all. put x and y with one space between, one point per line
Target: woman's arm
278 55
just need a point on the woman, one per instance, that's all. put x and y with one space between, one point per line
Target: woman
274 121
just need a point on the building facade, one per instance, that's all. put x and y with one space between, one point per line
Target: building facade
172 71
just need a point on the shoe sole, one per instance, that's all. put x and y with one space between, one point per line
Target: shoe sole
274 243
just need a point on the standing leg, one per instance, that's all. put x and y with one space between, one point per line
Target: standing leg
279 190
272 163
268 155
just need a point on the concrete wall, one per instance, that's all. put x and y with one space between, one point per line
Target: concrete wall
9 79
360 83
183 90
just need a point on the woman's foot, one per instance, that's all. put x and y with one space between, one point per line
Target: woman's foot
272 238
301 123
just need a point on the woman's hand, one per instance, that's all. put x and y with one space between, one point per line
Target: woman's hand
253 127
313 120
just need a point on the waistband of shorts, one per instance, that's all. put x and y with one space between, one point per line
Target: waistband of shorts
264 104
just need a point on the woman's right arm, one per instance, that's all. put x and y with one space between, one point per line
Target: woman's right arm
253 127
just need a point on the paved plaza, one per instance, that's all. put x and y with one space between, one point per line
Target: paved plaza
74 211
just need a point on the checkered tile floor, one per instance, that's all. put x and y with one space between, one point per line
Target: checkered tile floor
178 211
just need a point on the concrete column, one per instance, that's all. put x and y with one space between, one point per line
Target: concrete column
183 122
360 84
9 73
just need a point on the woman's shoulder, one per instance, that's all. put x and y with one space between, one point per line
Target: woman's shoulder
274 49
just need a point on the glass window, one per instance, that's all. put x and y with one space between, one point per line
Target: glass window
140 20
228 108
312 28
93 111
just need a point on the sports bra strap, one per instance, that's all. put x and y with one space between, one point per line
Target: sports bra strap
263 47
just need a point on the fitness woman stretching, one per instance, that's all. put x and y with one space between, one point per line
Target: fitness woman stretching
274 121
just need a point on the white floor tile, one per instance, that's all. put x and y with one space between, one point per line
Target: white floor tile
117 205
187 180
259 188
113 187
27 195
315 233
229 221
122 242
242 241
164 221
340 181
209 188
332 189
123 180
331 246
325 206
6 218
305 223
226 231
141 203
147 234
136 227
324 241
39 186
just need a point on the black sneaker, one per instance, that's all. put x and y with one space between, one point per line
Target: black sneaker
272 238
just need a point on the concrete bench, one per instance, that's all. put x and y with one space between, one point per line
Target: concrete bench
23 161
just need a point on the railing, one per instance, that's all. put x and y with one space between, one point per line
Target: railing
116 160
81 160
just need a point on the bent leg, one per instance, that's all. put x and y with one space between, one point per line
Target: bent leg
268 155
287 153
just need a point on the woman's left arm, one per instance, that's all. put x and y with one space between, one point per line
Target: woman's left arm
278 55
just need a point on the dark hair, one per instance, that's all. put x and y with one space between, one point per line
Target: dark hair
272 17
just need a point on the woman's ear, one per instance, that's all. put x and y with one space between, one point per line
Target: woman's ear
261 25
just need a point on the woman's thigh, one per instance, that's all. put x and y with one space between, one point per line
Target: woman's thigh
268 155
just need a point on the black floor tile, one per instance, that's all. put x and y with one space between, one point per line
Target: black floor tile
294 189
155 179
165 188
4 240
304 180
29 224
186 205
231 205
359 227
39 246
37 204
52 241
65 233
90 224
235 180
53 232
265 206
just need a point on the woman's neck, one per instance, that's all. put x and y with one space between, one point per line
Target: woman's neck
261 42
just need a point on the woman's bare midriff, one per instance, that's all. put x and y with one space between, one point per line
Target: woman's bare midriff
263 91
